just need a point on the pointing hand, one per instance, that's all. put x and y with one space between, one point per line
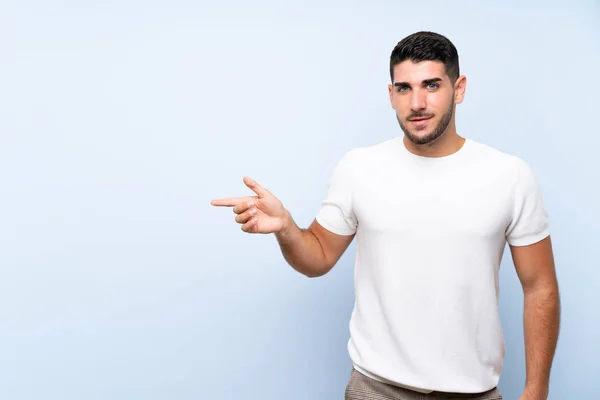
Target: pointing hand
263 213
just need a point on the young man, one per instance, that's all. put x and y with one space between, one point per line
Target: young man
432 212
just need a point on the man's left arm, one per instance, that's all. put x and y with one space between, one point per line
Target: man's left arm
541 317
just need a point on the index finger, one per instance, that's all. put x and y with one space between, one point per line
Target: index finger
230 202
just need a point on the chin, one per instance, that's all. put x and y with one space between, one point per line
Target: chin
421 138
418 135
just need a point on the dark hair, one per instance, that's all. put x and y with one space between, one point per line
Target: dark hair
426 46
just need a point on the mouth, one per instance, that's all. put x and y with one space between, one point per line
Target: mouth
420 121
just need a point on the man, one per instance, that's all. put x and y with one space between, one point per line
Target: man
432 212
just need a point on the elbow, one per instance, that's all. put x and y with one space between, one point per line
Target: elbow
546 293
548 287
313 274
317 272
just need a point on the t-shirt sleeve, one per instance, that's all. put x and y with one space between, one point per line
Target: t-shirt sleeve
336 213
529 222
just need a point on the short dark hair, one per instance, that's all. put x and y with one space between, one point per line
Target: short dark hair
426 46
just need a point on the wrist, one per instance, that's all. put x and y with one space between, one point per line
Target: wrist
286 223
535 392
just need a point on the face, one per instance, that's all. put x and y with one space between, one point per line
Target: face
423 97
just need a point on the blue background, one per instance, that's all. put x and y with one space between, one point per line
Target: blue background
120 121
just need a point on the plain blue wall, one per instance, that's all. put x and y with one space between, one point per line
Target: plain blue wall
120 121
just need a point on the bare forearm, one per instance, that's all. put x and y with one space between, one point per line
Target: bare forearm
301 249
541 323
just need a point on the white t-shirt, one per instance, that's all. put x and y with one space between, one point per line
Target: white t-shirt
430 236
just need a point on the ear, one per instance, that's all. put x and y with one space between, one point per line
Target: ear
391 90
460 86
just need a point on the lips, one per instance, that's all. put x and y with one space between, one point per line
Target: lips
419 122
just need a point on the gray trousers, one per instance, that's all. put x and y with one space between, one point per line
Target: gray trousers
361 387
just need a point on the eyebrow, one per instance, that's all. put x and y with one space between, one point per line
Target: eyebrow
425 82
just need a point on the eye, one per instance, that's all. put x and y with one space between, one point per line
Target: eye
433 86
402 88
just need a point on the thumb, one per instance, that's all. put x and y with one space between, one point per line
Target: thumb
255 187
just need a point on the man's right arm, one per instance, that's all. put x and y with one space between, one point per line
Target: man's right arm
314 251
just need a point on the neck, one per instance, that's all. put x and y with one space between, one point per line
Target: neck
449 143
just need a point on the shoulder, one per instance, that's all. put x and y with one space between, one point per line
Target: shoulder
507 165
367 154
500 160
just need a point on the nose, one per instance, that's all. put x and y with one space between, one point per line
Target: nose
417 101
